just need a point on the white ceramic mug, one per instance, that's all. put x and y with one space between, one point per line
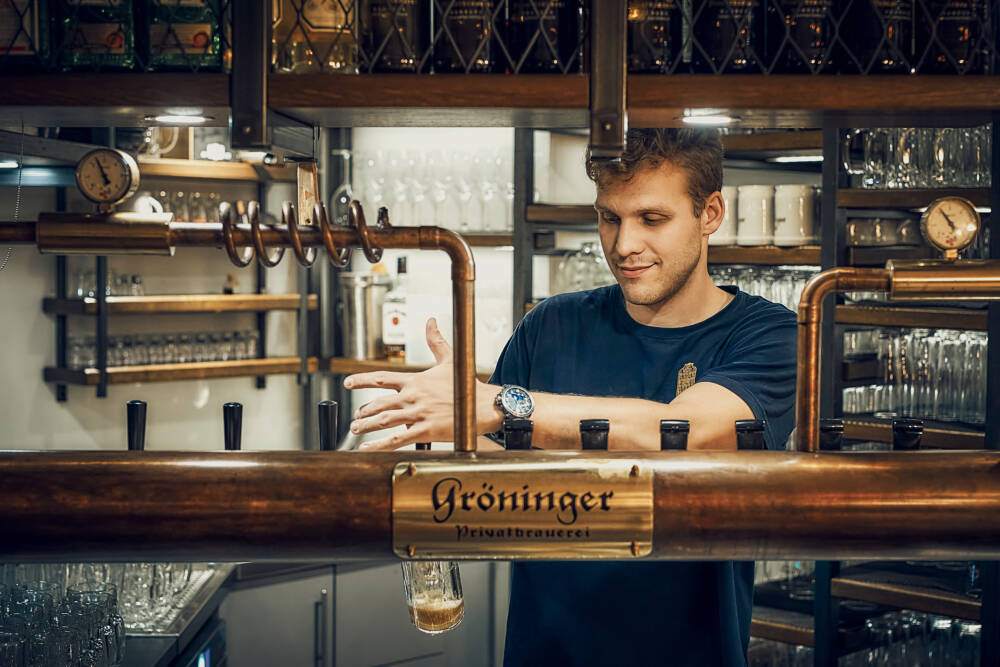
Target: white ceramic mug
755 204
726 233
794 212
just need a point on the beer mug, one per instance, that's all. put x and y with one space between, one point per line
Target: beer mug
433 594
726 233
755 204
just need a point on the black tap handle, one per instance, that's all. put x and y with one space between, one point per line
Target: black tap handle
327 425
232 424
136 411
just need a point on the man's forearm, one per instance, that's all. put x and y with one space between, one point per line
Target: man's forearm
634 422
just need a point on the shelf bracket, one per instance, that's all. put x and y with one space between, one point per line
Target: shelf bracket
608 115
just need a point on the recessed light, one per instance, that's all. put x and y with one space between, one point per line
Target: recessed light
709 119
8 164
792 159
179 119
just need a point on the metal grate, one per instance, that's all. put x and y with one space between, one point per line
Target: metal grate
511 36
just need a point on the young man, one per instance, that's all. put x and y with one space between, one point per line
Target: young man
664 343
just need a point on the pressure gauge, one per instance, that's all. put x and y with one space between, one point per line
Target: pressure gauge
107 177
950 224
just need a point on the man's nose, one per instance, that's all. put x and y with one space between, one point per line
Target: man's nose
630 238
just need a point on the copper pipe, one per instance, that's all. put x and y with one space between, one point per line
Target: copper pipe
463 274
923 280
229 506
841 279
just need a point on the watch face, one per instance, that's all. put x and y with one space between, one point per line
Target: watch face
517 401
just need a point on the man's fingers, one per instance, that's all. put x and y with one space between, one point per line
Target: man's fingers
377 405
376 380
435 341
386 419
395 441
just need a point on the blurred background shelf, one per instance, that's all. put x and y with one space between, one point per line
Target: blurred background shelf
908 198
909 316
937 435
905 591
202 370
803 255
179 303
215 170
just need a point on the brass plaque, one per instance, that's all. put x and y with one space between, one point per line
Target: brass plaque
493 509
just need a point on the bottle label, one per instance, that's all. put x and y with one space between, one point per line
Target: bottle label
187 38
809 9
18 27
394 324
324 15
960 10
894 10
104 38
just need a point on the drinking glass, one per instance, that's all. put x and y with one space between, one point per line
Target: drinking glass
11 650
433 595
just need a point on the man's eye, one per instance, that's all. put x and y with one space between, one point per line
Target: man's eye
610 219
654 219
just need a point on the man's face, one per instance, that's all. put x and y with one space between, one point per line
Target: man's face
650 235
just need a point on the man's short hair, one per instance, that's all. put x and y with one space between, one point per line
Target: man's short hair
697 151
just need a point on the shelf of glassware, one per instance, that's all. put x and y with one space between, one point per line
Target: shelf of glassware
345 366
937 435
180 303
216 170
913 591
911 198
795 627
202 370
915 317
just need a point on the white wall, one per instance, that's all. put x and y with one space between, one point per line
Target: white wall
181 415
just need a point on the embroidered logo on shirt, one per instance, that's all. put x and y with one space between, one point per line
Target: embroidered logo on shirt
685 376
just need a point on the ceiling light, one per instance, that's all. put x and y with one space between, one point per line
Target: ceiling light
8 164
179 119
792 159
709 119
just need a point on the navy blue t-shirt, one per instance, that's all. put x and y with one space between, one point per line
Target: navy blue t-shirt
643 613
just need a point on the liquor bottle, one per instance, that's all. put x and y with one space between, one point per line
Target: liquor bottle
545 36
655 35
831 434
136 415
184 35
750 434
313 36
517 433
674 433
96 34
394 316
396 33
800 35
594 434
959 27
882 33
906 434
470 24
24 35
731 33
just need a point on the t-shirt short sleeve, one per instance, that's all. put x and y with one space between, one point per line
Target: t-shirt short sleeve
759 366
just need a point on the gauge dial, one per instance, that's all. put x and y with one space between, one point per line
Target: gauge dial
950 224
107 176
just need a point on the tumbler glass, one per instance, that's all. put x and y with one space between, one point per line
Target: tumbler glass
433 594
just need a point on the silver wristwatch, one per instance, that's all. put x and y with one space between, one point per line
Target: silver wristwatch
514 401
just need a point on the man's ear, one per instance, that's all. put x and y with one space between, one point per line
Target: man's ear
713 213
